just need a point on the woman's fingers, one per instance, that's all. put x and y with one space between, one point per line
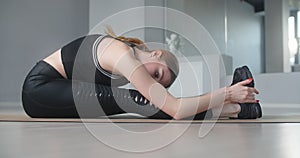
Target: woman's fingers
253 90
250 97
245 82
241 93
251 101
250 89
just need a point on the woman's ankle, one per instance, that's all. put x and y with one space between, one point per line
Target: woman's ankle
228 111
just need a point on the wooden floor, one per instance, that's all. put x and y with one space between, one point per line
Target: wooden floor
265 139
63 140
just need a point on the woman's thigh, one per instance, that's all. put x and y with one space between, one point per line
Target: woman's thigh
46 93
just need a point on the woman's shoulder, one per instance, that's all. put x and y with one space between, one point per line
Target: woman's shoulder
110 51
115 45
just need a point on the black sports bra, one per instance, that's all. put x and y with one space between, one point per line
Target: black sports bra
80 61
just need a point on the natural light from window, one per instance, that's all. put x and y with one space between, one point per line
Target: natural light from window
293 43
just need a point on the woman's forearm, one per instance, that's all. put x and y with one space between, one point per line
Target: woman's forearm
179 108
185 107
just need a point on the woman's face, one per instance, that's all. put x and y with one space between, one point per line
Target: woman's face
159 71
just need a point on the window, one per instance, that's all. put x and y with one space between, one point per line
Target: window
293 42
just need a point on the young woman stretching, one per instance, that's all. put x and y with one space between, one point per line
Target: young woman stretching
61 84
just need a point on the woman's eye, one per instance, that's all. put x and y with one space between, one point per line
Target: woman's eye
156 74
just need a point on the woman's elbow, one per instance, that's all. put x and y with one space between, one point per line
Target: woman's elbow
171 107
174 112
176 117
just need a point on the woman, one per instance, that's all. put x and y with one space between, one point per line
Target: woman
61 84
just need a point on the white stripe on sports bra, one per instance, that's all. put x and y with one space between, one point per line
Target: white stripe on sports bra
95 58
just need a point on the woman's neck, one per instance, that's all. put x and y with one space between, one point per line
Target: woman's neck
142 55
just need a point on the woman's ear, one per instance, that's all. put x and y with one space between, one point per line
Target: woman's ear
156 53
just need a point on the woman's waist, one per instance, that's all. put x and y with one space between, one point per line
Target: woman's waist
55 61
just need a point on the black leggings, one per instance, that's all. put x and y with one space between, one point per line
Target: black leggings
46 94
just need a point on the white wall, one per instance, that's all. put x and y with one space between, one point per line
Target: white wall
240 37
107 12
276 23
278 88
29 31
245 35
182 86
244 28
279 92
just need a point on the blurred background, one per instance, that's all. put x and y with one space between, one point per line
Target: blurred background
263 34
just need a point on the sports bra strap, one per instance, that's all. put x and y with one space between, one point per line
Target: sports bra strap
95 56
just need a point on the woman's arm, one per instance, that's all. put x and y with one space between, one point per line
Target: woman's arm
179 108
125 64
238 93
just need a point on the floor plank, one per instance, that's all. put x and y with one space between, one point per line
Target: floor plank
234 140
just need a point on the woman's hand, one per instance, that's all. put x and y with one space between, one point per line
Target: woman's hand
239 93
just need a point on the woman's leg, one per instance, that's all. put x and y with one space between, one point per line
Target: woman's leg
47 94
50 100
58 99
228 111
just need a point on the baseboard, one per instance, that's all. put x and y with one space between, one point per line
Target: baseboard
10 103
280 109
10 106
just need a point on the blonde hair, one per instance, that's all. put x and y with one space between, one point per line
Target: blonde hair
139 43
167 56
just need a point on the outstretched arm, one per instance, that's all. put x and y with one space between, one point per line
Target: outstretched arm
238 93
178 108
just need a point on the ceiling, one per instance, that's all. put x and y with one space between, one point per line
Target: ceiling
259 5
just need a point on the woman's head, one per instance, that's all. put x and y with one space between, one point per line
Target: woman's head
162 65
172 63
